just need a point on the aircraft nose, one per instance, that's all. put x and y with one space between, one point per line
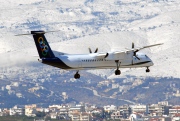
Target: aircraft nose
151 63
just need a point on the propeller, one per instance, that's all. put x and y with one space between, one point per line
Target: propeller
90 51
133 45
96 50
134 54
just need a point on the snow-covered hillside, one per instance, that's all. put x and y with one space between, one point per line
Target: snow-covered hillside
108 25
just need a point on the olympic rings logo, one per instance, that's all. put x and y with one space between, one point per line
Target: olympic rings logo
43 46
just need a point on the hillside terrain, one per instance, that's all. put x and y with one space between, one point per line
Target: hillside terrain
45 88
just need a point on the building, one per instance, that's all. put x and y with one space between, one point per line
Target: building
77 108
31 106
116 115
64 95
165 103
125 110
156 110
138 108
53 115
16 111
177 94
77 116
174 111
176 117
4 112
159 118
30 110
110 108
135 117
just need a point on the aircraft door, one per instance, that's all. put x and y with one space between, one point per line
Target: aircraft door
79 63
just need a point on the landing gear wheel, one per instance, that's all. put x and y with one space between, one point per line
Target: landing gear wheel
147 70
117 72
77 76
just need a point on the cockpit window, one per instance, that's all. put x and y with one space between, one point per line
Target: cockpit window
146 56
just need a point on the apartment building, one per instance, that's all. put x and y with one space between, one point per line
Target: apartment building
79 116
175 110
30 110
138 108
16 111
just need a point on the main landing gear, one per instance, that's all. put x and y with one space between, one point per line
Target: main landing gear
117 71
147 70
77 75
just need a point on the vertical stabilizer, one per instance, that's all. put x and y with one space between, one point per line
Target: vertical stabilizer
42 45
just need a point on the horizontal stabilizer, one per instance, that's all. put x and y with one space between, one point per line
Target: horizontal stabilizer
36 32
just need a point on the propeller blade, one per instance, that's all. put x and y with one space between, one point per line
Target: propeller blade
135 52
106 55
137 57
133 45
90 50
96 50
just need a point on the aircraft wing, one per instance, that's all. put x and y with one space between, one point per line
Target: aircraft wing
150 46
121 55
140 48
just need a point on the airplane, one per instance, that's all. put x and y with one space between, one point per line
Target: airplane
128 58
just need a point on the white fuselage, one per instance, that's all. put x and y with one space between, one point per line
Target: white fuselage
90 61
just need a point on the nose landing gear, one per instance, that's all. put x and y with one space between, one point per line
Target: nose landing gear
147 70
77 75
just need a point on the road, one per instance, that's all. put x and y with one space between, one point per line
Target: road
96 94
